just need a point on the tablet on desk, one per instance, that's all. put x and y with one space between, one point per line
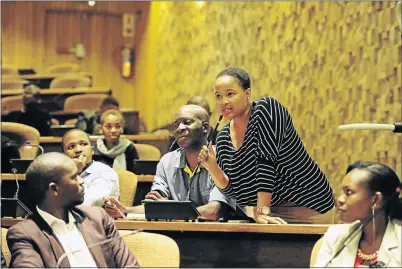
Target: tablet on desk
9 207
145 167
170 210
21 165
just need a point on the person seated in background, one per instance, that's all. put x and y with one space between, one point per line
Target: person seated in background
61 224
114 150
89 121
99 179
172 179
199 101
371 195
32 114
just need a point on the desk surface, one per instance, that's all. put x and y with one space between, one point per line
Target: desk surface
238 245
140 178
317 229
10 92
46 75
139 137
222 227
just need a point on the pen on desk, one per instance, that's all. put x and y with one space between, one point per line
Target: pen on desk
211 135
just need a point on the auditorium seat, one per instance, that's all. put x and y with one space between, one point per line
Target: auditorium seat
314 252
70 81
63 68
11 103
147 152
128 186
4 247
70 122
11 84
84 102
9 70
22 133
153 250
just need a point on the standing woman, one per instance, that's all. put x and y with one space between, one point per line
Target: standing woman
260 158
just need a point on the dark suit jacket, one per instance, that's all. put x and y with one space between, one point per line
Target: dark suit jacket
33 244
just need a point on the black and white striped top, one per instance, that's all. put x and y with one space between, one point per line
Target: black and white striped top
272 159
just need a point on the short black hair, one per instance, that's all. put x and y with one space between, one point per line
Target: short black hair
382 179
110 100
45 169
70 131
240 74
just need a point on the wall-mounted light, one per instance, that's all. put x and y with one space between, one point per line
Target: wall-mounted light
200 3
91 3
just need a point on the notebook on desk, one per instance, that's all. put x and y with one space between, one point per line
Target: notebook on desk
170 210
21 165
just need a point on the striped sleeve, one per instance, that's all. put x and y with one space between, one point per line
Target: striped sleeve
221 149
271 127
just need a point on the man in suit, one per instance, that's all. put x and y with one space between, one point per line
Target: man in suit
60 224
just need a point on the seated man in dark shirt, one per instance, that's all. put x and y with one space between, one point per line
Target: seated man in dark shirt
31 114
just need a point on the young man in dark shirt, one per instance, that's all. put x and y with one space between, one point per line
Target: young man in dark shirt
31 114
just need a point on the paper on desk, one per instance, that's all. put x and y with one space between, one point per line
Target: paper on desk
136 216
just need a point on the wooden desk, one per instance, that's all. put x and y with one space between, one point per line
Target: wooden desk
51 75
10 177
43 80
52 143
55 92
53 99
214 244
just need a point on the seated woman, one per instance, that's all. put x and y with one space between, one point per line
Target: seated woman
372 208
114 150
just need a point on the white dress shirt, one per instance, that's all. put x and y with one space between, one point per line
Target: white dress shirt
70 238
99 181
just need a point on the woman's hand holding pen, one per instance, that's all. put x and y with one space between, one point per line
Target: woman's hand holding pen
207 158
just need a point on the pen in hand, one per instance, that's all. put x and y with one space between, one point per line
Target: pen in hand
209 142
117 209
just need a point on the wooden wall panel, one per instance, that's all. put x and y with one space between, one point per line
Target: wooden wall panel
329 63
32 30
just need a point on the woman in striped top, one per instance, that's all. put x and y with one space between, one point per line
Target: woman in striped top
260 158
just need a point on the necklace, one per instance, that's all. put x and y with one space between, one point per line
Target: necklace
366 257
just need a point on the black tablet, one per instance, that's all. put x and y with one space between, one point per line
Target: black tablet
145 167
9 207
170 210
21 165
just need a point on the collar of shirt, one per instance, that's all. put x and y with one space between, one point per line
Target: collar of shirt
90 169
181 162
189 172
54 222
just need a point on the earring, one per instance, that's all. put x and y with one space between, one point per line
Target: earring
373 219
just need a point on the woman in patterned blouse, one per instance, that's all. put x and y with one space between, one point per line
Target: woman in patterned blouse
260 159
